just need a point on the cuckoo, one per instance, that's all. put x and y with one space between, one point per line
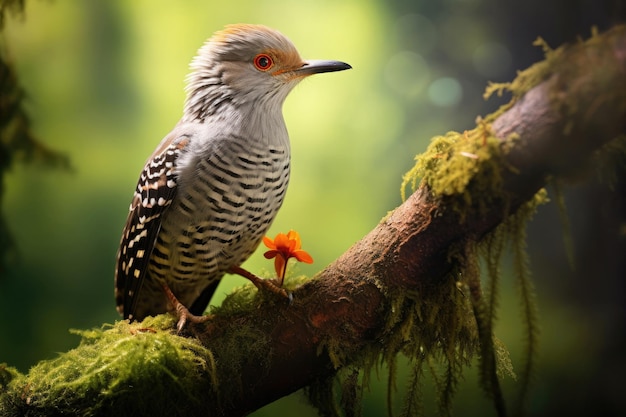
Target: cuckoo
211 189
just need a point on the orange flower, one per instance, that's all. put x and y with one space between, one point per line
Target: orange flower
283 247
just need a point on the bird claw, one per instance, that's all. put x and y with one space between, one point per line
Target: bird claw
185 316
267 284
182 313
182 320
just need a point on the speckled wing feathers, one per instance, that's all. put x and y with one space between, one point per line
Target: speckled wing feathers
155 191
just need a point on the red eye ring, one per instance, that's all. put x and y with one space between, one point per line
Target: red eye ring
263 62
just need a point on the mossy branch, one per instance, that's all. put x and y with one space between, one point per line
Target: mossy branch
402 289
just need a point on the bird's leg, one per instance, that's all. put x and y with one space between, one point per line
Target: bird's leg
261 283
182 313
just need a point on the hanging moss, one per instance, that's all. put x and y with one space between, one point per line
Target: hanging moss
435 330
610 160
460 167
441 329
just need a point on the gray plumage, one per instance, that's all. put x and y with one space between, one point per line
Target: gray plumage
213 186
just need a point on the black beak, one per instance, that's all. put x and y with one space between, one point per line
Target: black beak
317 67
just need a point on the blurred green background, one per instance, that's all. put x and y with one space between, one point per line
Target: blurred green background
105 83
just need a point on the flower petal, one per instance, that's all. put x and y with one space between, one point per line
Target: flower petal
280 265
295 238
303 256
281 241
269 242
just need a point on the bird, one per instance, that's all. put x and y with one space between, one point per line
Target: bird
213 186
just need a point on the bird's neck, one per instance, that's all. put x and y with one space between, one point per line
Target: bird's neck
263 121
204 102
259 120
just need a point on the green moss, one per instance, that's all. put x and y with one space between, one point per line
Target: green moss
94 378
7 375
465 170
434 329
164 373
464 165
247 297
528 78
568 241
441 329
610 160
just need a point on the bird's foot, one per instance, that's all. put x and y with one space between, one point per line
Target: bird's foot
182 313
262 284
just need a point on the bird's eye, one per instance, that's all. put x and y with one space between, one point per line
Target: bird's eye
263 62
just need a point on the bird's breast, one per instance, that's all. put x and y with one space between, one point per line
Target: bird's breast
223 208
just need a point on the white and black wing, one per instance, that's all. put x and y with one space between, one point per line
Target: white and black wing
154 194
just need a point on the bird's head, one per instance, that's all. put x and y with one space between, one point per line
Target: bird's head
248 64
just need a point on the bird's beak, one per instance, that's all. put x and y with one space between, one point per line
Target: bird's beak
317 67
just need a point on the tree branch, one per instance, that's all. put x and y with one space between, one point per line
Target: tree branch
560 122
577 105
